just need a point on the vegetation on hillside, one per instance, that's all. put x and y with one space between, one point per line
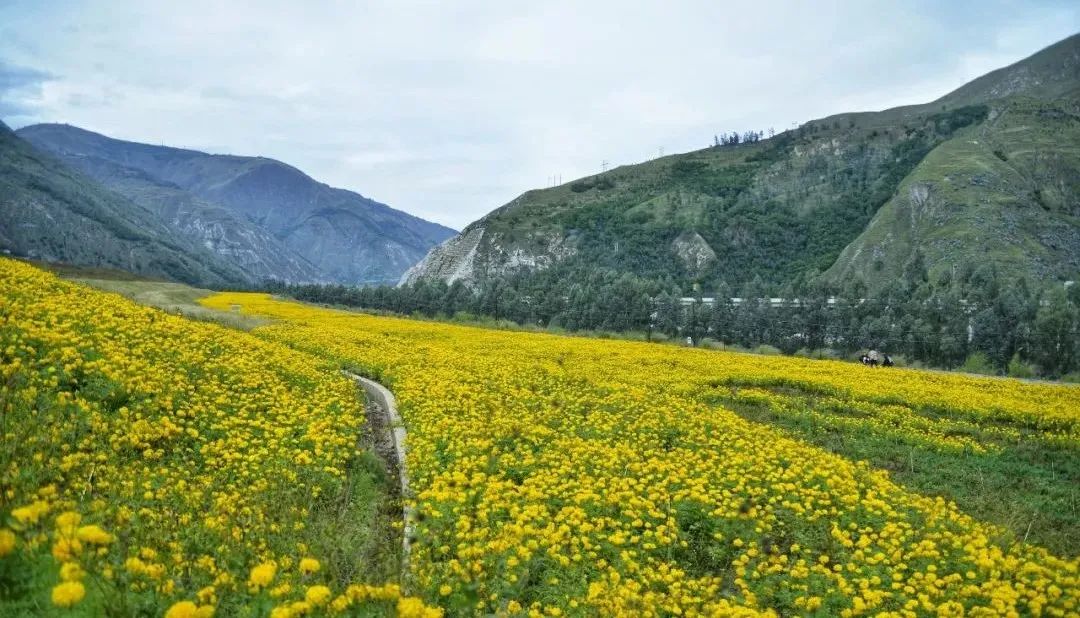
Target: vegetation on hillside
766 209
560 475
1004 194
791 207
901 214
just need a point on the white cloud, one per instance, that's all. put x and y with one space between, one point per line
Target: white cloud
449 110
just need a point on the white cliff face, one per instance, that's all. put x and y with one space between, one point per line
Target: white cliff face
558 247
451 261
476 254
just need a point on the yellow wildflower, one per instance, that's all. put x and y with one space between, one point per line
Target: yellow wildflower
71 571
262 575
318 595
7 542
67 594
309 566
182 609
94 535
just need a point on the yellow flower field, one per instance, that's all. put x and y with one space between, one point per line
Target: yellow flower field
152 465
568 476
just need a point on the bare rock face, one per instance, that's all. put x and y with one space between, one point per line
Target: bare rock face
921 201
451 261
259 254
555 247
692 249
477 254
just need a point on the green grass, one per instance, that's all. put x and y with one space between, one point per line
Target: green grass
74 271
356 530
169 296
1026 482
175 298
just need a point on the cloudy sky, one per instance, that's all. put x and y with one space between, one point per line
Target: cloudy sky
450 109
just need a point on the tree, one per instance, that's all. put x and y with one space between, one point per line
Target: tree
1057 333
721 321
668 312
697 319
751 317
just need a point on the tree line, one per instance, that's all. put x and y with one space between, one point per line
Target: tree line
734 139
975 320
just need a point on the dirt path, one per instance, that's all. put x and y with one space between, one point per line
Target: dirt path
387 436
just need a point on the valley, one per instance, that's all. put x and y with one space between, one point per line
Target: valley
831 370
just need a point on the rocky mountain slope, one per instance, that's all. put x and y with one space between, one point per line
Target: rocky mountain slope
270 218
986 174
255 251
51 212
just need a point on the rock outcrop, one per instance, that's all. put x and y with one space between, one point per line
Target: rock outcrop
477 253
694 252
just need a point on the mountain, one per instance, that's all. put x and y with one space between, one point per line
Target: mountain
987 175
244 244
269 217
51 212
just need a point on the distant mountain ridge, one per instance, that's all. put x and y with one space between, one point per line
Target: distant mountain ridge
986 176
269 218
251 248
51 212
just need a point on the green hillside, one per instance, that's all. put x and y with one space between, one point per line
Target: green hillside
1005 192
785 210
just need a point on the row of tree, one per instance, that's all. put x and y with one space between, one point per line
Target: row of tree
942 323
734 139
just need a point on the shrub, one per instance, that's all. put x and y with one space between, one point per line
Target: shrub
979 362
1020 369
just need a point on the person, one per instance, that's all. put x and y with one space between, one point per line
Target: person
875 357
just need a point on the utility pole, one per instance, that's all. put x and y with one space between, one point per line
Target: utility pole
603 165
